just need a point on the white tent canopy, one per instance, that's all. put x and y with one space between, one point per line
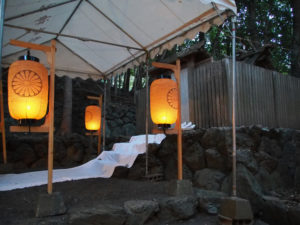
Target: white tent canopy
104 37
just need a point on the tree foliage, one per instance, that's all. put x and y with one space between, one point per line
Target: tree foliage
259 23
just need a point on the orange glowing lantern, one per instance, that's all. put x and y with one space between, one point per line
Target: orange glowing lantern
27 85
92 117
163 101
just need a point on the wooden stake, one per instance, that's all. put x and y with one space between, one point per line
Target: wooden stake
51 58
176 70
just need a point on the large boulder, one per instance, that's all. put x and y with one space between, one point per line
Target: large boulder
247 186
214 159
139 211
268 181
216 138
99 214
180 207
209 201
274 211
171 168
266 161
209 179
270 146
193 157
287 163
245 157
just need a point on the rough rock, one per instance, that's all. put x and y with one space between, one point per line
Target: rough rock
193 157
181 207
170 170
294 215
129 129
287 163
214 137
260 222
268 181
100 214
274 211
209 201
266 161
209 179
75 153
214 159
168 147
245 157
139 211
247 186
26 154
270 146
297 177
121 172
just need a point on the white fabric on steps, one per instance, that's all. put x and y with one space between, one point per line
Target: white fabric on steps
122 154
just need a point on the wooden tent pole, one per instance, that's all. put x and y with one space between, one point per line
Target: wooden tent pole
2 122
178 124
51 58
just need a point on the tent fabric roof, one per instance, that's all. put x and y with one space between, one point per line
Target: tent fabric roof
96 38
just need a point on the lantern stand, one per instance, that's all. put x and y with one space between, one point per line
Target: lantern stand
98 132
48 126
177 129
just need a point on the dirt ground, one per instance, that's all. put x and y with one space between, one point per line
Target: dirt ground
18 206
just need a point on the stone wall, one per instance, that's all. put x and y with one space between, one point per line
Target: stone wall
268 164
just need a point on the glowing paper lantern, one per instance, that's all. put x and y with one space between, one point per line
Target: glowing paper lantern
27 85
92 117
163 101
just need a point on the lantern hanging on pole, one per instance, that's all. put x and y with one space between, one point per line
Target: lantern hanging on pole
92 117
27 86
163 102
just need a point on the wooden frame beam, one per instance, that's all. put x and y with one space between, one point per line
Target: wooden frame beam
176 69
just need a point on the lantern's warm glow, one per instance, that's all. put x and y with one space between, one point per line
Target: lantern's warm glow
27 86
92 117
163 101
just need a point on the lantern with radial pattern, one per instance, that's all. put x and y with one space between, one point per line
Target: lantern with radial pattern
92 117
163 101
27 85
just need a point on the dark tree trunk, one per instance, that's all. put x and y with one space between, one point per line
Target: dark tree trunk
66 124
252 23
295 57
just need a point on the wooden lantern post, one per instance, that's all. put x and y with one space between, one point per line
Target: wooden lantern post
98 133
176 70
48 126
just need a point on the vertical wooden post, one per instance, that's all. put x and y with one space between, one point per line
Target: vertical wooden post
178 122
51 58
99 131
2 123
